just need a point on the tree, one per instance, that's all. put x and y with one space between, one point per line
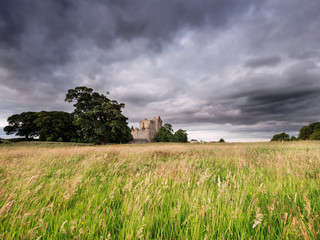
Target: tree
85 99
99 119
306 131
281 137
180 136
315 135
314 126
165 133
22 125
293 138
221 140
56 126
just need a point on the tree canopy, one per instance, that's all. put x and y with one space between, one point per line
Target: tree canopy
85 99
96 119
22 125
310 132
315 135
166 134
56 126
50 126
281 137
180 136
99 119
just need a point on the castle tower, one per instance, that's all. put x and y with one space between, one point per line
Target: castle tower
158 123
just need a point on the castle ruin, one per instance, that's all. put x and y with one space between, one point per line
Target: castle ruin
148 129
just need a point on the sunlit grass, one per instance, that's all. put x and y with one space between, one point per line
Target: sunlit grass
160 191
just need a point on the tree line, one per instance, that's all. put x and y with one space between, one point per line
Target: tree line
166 134
95 119
309 132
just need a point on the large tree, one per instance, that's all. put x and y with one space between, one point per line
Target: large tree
99 119
22 125
56 126
305 133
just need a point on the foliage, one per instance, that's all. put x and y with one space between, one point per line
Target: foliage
95 119
281 137
306 131
22 125
160 191
55 126
315 135
99 119
84 99
165 133
180 136
221 140
293 138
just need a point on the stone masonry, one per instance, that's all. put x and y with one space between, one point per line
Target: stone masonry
148 129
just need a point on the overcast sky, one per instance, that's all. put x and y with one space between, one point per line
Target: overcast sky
238 69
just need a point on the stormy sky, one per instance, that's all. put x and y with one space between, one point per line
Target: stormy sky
238 69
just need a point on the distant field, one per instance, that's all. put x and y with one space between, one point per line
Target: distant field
160 191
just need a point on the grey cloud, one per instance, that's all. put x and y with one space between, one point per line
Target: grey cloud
305 54
294 96
244 63
291 96
263 62
40 38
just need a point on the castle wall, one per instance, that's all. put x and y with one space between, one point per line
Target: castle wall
148 129
147 124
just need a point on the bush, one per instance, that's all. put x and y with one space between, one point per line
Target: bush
221 140
281 137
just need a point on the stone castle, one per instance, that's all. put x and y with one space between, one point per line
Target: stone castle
148 129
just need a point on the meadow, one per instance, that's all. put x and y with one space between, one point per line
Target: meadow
160 191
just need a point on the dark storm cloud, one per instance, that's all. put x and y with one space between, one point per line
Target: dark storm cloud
263 62
292 96
39 38
61 22
234 62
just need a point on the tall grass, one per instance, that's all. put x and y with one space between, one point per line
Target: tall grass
160 191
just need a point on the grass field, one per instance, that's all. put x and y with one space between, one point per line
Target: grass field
160 191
